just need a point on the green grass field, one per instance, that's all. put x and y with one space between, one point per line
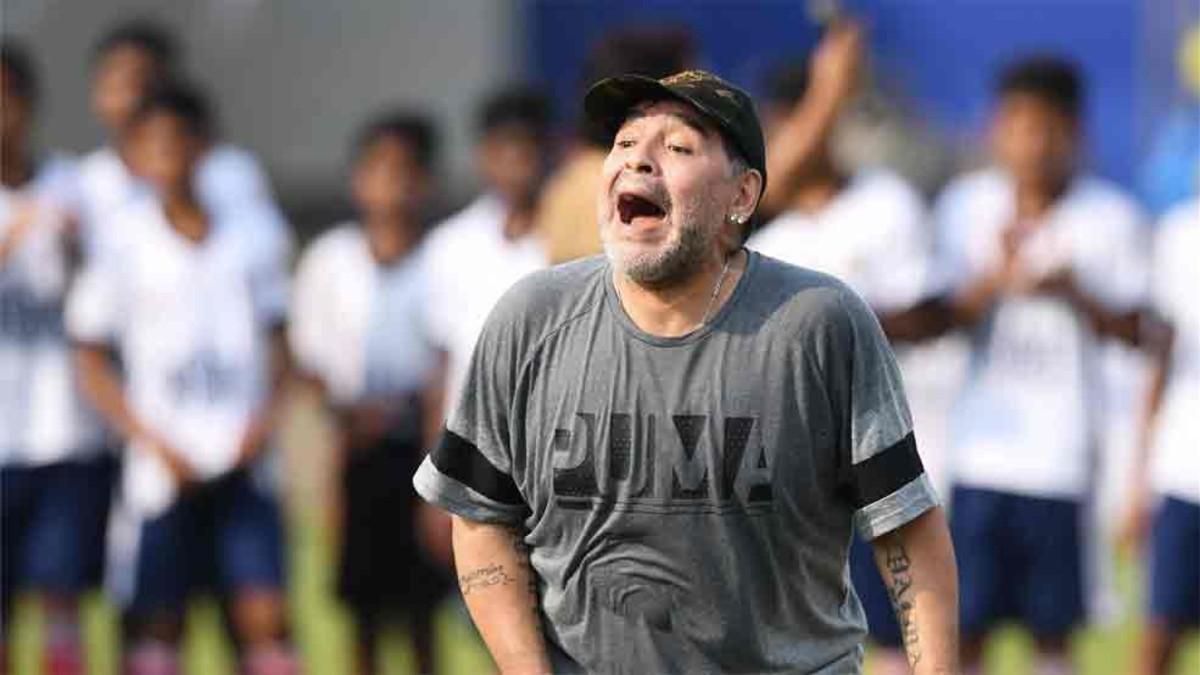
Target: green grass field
324 638
323 634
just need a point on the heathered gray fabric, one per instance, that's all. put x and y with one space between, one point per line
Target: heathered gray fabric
684 497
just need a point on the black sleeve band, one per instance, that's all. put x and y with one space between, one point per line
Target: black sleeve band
459 459
885 472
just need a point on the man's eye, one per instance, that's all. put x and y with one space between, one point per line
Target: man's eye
624 143
680 149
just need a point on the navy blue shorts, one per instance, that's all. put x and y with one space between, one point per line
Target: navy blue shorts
1018 558
1175 564
224 536
53 520
881 617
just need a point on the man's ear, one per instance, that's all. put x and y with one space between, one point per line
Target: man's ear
749 190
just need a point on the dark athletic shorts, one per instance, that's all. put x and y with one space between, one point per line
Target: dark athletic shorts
1019 558
53 520
383 569
1175 564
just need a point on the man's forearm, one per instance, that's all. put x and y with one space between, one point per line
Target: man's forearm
500 588
102 387
918 569
264 420
969 305
793 148
280 369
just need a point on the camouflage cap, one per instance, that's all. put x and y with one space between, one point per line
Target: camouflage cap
730 109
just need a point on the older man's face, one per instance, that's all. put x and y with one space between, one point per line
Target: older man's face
666 192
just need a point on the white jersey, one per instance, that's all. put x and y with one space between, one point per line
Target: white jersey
1176 463
468 265
228 179
43 418
356 324
1029 418
874 235
191 321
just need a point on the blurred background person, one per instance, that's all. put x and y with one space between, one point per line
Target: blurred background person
197 311
1045 262
128 63
868 228
1165 491
54 470
566 220
357 332
471 258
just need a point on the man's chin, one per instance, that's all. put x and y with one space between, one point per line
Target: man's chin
651 268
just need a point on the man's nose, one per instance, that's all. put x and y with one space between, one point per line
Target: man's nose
638 160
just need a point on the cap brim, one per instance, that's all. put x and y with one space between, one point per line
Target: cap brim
608 102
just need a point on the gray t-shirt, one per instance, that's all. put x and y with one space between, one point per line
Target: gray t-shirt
688 501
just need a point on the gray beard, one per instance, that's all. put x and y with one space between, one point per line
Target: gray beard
665 268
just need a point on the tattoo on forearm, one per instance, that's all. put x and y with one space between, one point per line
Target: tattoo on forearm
522 550
484 577
899 567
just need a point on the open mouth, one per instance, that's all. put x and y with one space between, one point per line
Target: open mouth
631 206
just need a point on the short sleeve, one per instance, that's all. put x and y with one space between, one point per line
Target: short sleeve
438 315
469 473
58 184
881 472
229 178
272 250
307 327
1115 269
95 304
900 255
950 267
1173 273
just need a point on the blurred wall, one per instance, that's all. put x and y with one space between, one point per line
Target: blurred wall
291 78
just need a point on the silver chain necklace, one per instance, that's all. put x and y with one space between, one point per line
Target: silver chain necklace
716 291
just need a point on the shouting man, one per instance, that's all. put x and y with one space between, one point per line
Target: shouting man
658 454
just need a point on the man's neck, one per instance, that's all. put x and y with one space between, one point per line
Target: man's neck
1034 198
185 215
389 236
16 167
518 223
679 309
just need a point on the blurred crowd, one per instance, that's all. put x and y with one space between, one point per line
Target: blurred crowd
155 311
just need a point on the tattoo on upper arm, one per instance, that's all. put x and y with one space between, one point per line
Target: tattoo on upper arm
484 577
899 567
